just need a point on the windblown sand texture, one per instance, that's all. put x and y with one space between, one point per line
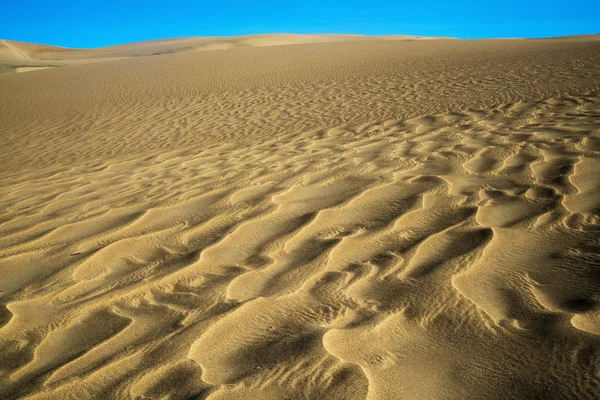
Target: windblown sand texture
347 218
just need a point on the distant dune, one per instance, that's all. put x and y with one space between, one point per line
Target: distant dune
578 37
21 56
301 217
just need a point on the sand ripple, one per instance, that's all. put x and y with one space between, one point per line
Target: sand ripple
447 255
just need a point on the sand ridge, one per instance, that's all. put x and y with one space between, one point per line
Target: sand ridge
24 57
422 226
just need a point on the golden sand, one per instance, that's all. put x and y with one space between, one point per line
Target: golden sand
301 217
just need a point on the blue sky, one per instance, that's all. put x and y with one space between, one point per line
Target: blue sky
100 23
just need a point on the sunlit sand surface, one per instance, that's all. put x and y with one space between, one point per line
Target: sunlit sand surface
301 217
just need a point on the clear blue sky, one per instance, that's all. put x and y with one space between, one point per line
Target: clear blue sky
89 23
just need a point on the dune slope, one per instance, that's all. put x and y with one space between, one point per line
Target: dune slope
365 219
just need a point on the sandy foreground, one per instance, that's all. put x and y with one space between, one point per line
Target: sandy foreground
301 217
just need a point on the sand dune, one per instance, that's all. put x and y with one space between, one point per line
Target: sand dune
24 57
341 219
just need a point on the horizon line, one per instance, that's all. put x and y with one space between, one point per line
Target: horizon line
433 37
